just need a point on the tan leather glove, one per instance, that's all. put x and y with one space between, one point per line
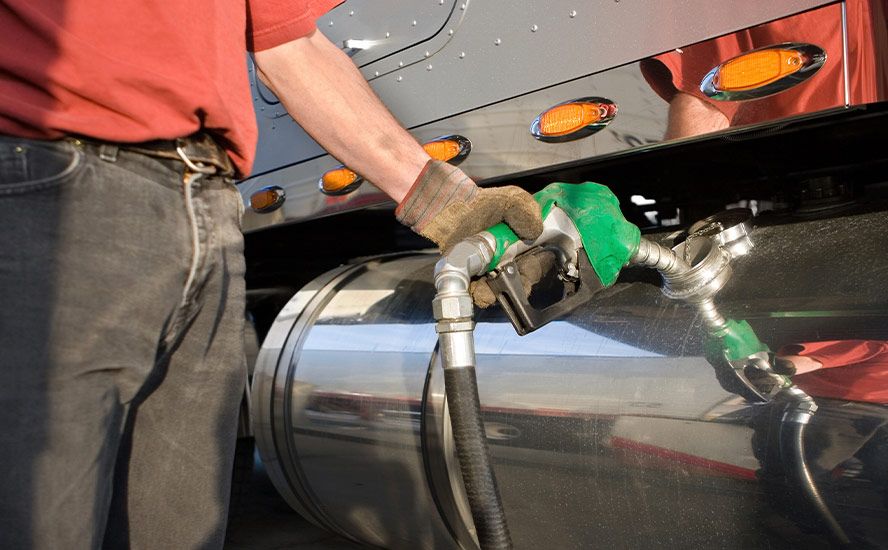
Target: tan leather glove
445 206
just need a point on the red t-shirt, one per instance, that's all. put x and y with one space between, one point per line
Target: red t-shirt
856 370
138 70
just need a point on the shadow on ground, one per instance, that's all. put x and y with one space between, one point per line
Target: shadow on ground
261 520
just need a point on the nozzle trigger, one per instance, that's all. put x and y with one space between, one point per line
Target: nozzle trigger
509 291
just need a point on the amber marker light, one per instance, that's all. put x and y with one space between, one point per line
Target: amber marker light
566 119
452 149
757 69
442 150
763 72
339 181
267 199
573 119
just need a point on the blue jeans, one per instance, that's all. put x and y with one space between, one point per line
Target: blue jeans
121 348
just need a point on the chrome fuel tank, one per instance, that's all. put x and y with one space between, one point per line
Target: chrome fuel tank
608 428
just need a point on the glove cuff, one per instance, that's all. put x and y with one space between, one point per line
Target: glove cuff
438 185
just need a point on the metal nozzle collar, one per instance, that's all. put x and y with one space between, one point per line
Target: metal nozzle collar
709 272
730 229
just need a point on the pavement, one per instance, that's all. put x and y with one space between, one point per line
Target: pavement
262 520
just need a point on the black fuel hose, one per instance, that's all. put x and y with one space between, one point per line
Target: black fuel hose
792 451
461 388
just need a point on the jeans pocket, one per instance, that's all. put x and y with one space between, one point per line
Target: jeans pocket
31 165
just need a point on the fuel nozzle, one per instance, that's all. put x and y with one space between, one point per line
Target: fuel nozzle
694 272
578 279
734 347
590 239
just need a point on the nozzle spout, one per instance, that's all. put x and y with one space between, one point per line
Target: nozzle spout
655 256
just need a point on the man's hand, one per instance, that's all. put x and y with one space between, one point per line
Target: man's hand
445 206
792 365
532 267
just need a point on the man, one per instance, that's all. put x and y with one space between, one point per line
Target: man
121 273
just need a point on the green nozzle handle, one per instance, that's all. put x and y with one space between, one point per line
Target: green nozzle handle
608 238
737 341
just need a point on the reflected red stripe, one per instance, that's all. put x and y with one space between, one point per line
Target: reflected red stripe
683 458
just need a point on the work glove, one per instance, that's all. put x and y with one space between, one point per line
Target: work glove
784 366
445 206
532 267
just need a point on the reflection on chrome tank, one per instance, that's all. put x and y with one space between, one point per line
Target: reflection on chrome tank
609 428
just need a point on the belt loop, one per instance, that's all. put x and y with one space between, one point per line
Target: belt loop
108 152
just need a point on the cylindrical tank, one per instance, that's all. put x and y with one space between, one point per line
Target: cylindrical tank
608 428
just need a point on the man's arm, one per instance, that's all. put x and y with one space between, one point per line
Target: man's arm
326 94
690 116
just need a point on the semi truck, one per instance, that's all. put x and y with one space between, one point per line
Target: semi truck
751 134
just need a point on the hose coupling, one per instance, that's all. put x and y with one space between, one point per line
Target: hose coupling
801 407
452 306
